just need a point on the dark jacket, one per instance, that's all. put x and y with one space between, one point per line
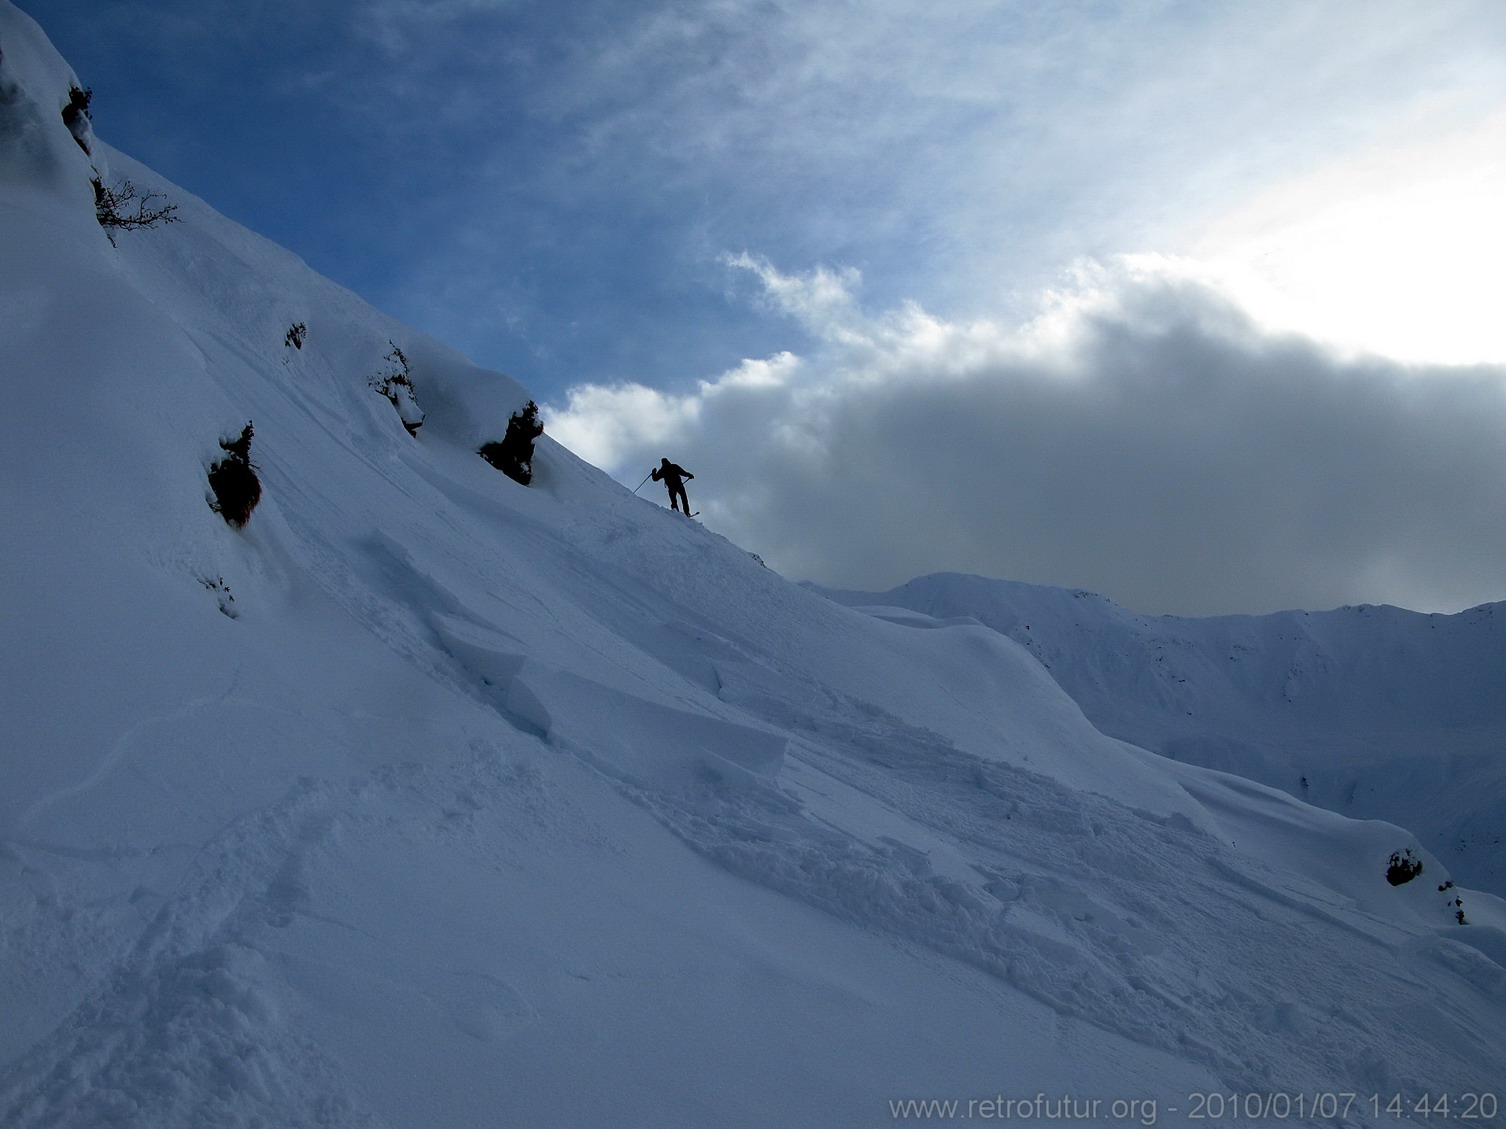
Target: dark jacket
671 473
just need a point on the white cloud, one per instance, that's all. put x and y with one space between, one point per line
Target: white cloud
610 425
1142 437
822 300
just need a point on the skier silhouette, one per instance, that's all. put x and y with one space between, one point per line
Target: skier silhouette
673 477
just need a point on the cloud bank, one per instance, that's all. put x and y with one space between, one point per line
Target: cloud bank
1141 437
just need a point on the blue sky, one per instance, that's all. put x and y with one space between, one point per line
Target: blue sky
810 249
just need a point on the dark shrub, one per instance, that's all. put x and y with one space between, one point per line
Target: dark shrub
234 482
1404 867
514 455
76 116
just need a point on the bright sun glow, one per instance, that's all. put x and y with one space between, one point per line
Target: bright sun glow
1395 250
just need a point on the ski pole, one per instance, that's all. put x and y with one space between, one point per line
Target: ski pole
640 485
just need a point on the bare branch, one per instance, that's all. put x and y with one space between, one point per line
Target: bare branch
112 206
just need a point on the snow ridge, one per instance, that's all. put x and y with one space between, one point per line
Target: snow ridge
1374 712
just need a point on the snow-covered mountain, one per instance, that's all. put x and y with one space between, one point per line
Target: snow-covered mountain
426 798
1375 712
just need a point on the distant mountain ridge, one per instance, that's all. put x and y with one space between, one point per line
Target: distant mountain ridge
1370 710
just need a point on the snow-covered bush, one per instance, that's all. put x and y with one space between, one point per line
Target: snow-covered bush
397 385
121 206
222 591
234 482
513 456
1454 904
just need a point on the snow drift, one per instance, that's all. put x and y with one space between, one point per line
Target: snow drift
428 799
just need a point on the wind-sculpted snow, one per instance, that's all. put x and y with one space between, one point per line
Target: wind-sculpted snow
428 799
1104 915
1375 712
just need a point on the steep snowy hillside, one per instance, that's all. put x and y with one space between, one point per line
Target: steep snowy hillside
1374 712
428 799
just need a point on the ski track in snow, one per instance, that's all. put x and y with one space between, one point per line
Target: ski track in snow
187 1028
113 757
185 1031
1036 915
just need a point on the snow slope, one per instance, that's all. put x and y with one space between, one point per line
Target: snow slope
1371 711
428 799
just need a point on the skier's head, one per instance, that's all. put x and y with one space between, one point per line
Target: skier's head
664 462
